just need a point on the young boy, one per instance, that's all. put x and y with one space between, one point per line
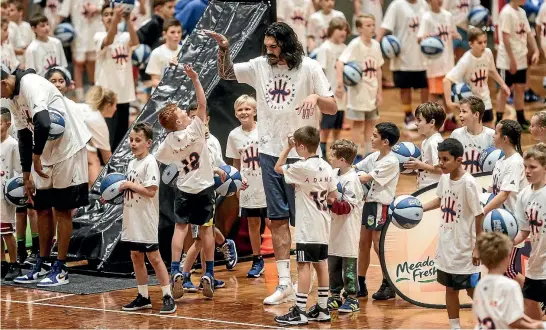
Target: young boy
474 136
151 33
296 13
186 146
364 99
515 40
345 229
44 52
473 69
160 57
498 302
316 187
23 28
381 171
242 147
7 53
430 118
371 7
402 19
457 260
327 56
139 230
317 27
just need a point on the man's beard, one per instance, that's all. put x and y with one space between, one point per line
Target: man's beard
272 59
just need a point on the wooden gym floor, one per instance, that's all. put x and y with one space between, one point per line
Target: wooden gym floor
239 304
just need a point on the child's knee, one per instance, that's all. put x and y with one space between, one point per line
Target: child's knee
137 257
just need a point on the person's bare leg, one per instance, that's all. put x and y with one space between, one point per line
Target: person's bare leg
78 79
532 309
159 267
12 247
357 134
254 224
46 230
64 223
364 248
180 231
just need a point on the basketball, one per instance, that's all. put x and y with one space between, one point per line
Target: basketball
352 73
502 221
405 150
460 91
432 47
486 198
313 54
390 46
109 188
127 5
339 191
231 185
56 130
406 212
531 10
478 16
489 158
141 55
14 191
65 33
170 175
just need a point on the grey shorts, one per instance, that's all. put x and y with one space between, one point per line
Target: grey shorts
361 115
280 196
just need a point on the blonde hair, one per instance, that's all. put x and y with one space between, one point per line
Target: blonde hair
537 152
97 97
493 248
245 99
541 115
361 17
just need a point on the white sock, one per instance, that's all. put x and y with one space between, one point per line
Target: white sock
455 324
301 301
143 290
79 94
166 289
283 269
323 296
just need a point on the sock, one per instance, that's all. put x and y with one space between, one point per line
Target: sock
323 149
175 267
283 269
520 116
455 323
35 243
79 94
21 248
257 258
209 267
361 282
301 301
499 116
143 290
166 289
323 296
407 109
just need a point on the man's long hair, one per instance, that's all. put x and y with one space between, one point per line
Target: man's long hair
291 49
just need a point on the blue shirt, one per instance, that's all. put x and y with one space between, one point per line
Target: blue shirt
188 12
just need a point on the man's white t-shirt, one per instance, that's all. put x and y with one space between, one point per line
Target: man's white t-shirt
439 25
41 56
385 173
541 20
514 22
429 155
141 213
317 26
10 166
85 27
159 60
509 176
296 13
100 136
460 10
460 205
473 146
244 146
9 58
278 92
327 55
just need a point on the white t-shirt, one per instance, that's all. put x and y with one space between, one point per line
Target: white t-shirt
541 20
51 11
403 19
141 213
460 10
9 58
189 151
497 302
363 96
215 151
327 56
296 13
509 175
37 94
243 145
100 136
114 69
159 59
375 8
514 22
385 173
314 179
473 146
532 217
474 71
278 92
41 56
26 36
440 25
10 166
460 204
85 27
345 229
318 25
429 155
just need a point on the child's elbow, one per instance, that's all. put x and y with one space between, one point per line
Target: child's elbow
278 169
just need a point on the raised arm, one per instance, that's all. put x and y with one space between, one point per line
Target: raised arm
199 92
225 65
113 29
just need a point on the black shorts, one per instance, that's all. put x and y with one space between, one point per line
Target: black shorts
458 281
141 247
520 77
254 213
311 252
487 116
332 121
374 215
410 79
534 290
62 198
23 209
196 209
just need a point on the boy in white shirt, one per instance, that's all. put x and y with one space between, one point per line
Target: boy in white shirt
474 136
317 27
23 28
8 57
372 7
161 56
364 99
460 10
316 187
296 13
497 301
139 230
430 118
474 69
44 52
381 170
457 260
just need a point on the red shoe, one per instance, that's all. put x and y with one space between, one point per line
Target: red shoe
450 125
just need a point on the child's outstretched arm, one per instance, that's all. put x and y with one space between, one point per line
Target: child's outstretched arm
284 155
199 92
432 205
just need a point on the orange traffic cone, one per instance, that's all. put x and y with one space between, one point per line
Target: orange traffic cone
267 242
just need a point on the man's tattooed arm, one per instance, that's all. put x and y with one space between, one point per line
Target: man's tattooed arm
225 65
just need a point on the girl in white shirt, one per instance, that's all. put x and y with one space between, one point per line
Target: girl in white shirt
538 126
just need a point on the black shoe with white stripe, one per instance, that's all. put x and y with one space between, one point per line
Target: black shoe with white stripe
139 303
295 316
318 314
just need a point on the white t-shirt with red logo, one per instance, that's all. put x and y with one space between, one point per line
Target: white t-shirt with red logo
327 55
460 10
429 150
509 176
41 56
541 20
439 25
473 146
318 25
514 22
296 13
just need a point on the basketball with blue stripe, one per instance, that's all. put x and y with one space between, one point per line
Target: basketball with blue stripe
406 212
405 150
489 157
109 188
14 191
460 91
478 16
141 55
390 46
65 32
56 128
352 73
231 185
432 47
502 221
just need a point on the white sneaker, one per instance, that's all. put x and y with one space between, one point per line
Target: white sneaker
282 294
54 278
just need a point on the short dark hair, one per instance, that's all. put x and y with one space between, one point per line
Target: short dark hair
145 128
344 149
432 110
157 3
37 19
453 146
338 23
476 105
388 131
170 23
474 33
308 136
193 107
106 5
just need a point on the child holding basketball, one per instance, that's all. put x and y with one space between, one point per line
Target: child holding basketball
457 260
313 177
161 56
43 52
381 170
141 219
317 27
538 126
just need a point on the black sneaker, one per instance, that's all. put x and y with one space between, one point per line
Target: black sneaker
334 303
385 292
362 292
139 303
318 314
4 269
22 254
14 272
295 316
169 306
31 260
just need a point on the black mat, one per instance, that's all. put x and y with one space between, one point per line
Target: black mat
85 284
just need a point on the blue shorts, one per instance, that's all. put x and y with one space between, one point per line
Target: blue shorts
463 43
279 196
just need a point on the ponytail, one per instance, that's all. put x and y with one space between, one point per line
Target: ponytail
98 97
512 130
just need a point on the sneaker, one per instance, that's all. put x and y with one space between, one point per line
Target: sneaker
531 96
257 269
230 253
318 314
218 284
410 123
362 292
385 292
57 276
350 305
139 303
34 275
169 306
14 272
282 294
32 258
4 268
334 303
295 316
450 125
177 288
187 284
207 282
